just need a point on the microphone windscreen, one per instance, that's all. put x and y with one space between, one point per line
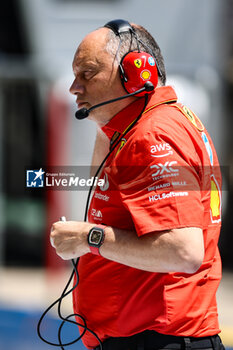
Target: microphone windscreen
149 86
82 113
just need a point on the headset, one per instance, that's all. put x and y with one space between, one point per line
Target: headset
139 73
136 67
139 70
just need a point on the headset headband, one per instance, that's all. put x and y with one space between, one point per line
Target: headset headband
136 67
119 26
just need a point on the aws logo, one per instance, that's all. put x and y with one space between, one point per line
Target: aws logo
161 150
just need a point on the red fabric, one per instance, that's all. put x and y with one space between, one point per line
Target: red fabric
159 178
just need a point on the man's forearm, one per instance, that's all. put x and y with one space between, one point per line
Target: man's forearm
179 250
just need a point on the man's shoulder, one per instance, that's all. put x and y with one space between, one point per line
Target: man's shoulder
154 129
164 130
171 119
164 119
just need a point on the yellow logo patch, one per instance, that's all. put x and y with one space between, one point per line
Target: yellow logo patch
193 118
138 63
145 74
190 115
215 201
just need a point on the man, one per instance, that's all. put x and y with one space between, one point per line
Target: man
150 265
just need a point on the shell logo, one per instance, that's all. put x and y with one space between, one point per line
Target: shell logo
145 74
215 201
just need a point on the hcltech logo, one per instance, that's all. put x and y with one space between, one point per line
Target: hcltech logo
35 178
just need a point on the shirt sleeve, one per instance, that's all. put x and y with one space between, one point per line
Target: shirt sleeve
159 181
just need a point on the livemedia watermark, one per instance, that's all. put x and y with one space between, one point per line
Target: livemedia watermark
62 178
157 177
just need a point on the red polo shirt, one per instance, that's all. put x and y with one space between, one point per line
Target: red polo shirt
164 174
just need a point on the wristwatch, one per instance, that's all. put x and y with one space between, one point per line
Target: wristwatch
95 238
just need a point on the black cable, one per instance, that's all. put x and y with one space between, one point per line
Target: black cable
75 267
115 144
152 54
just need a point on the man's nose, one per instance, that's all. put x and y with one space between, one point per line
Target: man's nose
76 88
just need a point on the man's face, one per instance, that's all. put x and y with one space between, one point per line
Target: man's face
96 77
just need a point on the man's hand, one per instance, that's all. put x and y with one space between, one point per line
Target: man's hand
177 250
69 238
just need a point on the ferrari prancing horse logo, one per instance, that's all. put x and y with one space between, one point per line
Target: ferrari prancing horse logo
138 63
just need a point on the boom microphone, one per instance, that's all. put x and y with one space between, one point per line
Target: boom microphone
84 112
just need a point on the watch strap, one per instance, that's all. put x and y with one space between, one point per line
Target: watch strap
95 250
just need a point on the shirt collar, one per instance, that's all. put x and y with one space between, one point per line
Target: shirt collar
126 116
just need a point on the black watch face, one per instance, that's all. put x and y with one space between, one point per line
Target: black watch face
96 237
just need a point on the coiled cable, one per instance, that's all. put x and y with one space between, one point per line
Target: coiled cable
75 267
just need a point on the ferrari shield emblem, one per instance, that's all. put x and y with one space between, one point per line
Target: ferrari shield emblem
138 63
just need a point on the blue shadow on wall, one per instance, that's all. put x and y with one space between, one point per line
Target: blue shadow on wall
18 331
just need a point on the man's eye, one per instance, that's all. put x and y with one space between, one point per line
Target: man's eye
88 74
